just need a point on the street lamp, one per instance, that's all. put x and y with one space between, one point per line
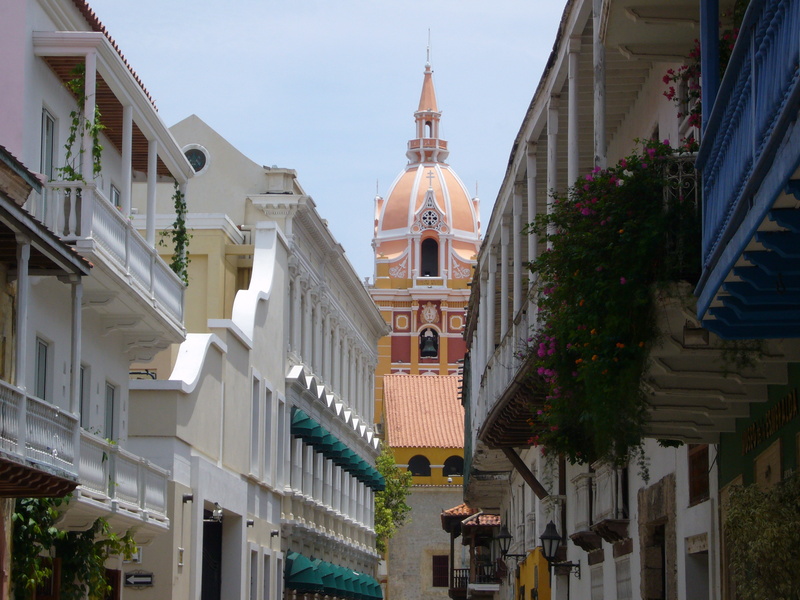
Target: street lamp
504 539
550 543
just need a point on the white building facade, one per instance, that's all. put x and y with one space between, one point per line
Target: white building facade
265 413
628 536
81 336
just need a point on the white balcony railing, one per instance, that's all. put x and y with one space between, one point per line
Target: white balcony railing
37 431
109 474
78 211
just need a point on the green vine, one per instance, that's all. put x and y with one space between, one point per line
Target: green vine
762 533
610 240
37 542
79 128
391 509
179 236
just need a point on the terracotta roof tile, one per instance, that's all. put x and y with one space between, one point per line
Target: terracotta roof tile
423 411
94 22
462 510
481 519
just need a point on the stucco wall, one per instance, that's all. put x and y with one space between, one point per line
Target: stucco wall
409 560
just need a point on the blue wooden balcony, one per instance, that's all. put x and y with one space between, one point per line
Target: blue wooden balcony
749 158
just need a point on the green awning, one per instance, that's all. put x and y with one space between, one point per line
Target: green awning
326 573
349 580
358 586
300 575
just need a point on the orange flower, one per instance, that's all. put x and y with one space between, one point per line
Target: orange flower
581 302
620 345
593 331
622 231
594 357
641 344
579 361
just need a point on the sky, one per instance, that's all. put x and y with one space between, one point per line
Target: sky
329 87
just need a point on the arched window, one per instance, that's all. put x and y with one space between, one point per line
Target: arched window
428 129
454 465
419 465
429 259
428 343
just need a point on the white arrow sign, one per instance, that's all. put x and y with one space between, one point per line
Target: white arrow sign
139 579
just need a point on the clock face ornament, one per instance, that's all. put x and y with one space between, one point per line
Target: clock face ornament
196 158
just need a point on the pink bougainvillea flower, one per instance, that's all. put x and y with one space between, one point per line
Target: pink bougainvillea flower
623 281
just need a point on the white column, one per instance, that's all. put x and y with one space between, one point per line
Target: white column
572 111
307 324
90 92
75 374
483 312
295 315
152 179
127 159
503 277
516 225
326 345
531 172
337 359
23 294
490 308
552 150
318 336
599 61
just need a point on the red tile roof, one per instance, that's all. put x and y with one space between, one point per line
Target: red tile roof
462 510
481 520
94 23
423 411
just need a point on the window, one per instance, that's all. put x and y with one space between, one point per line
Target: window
454 465
429 258
108 428
83 390
267 579
115 196
267 473
46 166
440 570
255 422
419 465
253 575
698 473
40 369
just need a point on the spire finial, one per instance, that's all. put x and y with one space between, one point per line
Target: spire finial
428 50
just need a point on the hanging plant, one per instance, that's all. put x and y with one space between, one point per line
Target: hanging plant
610 239
179 236
83 554
79 128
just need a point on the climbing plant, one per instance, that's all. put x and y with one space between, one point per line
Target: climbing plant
391 509
79 129
615 235
83 554
179 235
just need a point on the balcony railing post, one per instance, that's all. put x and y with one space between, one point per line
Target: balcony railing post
141 478
22 426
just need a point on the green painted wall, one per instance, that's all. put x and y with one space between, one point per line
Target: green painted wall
776 418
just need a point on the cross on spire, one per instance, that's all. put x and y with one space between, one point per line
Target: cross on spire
430 177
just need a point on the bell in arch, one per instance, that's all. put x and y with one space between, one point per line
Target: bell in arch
428 344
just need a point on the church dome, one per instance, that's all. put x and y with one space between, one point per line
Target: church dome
427 196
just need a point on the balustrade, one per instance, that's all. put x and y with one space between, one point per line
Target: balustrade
78 211
36 430
110 474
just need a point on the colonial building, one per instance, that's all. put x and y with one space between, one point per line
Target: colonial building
76 114
426 239
628 533
264 414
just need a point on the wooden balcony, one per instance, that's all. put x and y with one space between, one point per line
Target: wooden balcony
750 285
